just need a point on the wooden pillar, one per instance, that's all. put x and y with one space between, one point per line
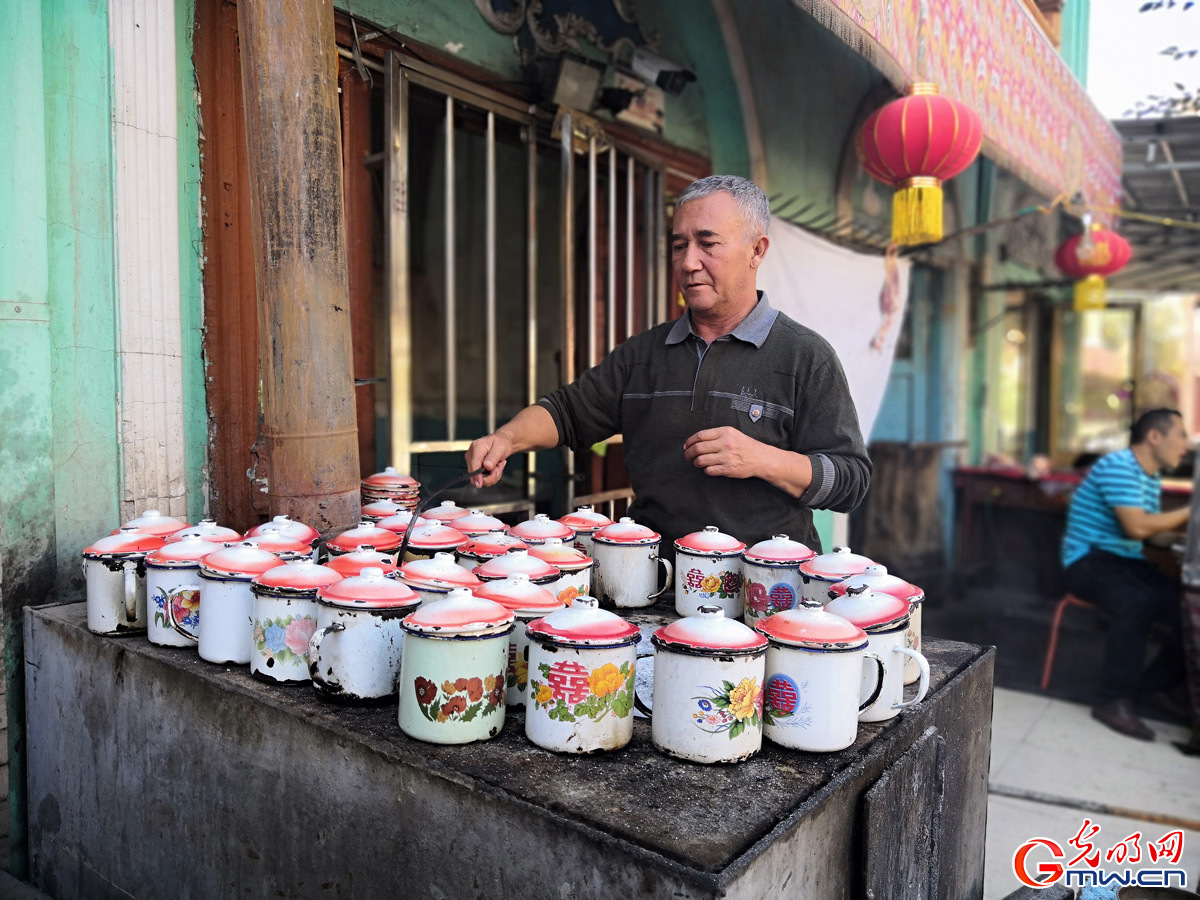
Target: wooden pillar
289 83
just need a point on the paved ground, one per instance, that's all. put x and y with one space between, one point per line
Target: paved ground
1052 764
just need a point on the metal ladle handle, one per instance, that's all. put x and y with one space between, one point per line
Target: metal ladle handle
424 505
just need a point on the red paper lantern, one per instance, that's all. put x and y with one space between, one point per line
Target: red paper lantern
1089 257
914 144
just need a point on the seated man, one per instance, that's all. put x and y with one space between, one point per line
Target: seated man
1113 511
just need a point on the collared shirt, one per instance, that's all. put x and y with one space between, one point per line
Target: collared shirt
771 378
1117 479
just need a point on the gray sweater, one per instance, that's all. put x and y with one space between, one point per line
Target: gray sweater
772 378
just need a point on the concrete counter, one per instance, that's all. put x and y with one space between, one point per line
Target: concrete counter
155 774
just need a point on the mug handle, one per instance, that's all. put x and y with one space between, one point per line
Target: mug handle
171 610
130 569
670 574
640 704
870 701
923 684
314 651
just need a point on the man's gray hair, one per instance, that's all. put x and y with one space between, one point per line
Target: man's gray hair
752 202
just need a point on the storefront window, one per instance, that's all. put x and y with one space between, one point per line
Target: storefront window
1012 386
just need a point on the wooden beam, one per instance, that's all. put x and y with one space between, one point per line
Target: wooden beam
289 83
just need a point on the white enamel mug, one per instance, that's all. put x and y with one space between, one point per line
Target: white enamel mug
228 622
891 647
173 598
771 579
114 568
626 565
285 617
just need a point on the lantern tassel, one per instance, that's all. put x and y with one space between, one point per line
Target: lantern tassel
917 212
1090 293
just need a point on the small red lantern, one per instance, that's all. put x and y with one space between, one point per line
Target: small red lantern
1088 258
914 144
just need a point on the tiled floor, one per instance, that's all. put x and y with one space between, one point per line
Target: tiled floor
1045 748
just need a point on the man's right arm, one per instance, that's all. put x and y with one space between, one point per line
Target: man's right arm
1139 524
532 428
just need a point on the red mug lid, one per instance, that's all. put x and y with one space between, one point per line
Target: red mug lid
153 522
494 543
185 552
812 628
446 511
401 521
382 509
626 531
435 535
350 564
877 579
369 589
242 560
516 561
460 612
837 564
365 534
779 550
301 575
710 632
439 572
870 610
209 531
560 555
585 519
271 539
584 624
290 528
709 542
127 540
391 478
541 528
518 593
476 523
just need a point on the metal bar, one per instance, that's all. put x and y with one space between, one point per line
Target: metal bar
648 245
1175 176
605 496
490 272
399 306
590 307
660 243
369 63
568 277
630 169
531 272
439 446
611 267
449 343
492 509
1190 165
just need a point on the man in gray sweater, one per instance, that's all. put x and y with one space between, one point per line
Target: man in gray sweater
734 415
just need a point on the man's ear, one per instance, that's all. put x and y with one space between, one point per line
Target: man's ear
759 251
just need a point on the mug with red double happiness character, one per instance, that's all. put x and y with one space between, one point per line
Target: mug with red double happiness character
708 572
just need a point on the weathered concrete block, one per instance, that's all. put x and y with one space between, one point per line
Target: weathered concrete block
155 774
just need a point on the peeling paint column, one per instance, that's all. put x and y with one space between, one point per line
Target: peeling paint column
27 483
289 81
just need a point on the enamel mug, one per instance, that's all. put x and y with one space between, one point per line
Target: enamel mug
434 579
819 677
430 539
349 564
173 591
581 679
115 570
539 571
885 620
285 617
228 623
286 547
585 522
708 572
452 671
540 529
626 565
708 688
771 579
476 523
822 572
527 601
354 655
575 566
877 579
364 534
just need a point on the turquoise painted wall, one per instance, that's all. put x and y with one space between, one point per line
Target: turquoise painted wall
1076 17
81 282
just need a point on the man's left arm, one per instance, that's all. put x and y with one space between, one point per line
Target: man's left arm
829 467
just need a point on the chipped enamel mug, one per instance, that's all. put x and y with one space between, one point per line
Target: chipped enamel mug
822 572
708 572
585 522
771 579
114 568
285 617
173 591
626 565
877 579
527 601
228 623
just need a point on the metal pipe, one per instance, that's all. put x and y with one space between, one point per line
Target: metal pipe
568 275
399 304
648 245
660 243
629 176
611 311
593 277
451 379
490 268
289 84
531 271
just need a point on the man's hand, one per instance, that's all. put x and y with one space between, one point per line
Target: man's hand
725 451
489 453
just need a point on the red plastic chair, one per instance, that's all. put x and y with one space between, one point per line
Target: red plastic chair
1052 646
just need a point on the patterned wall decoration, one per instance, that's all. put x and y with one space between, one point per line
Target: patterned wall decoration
1038 120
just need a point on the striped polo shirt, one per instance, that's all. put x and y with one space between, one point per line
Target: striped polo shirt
1117 479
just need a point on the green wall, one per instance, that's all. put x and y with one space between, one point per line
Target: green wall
1076 16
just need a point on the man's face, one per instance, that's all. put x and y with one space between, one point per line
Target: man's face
1169 448
713 256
